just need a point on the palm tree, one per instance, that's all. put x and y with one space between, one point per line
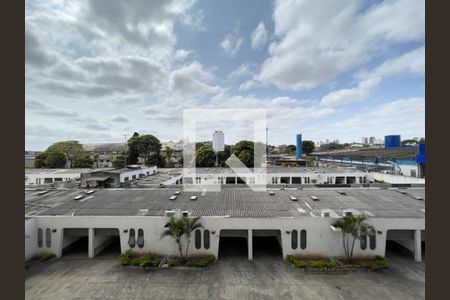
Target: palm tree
189 225
353 228
175 230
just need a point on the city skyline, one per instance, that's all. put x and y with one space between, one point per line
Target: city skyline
137 69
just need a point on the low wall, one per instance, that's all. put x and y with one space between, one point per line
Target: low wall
390 178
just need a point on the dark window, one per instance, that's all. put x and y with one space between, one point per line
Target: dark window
140 239
303 239
198 239
373 240
134 176
40 236
294 239
363 241
296 180
48 238
206 239
132 238
58 179
126 178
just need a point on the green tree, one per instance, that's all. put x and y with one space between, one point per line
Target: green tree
55 159
39 161
205 157
174 230
96 156
222 156
308 147
189 225
290 149
133 151
84 161
119 161
353 228
177 227
71 149
244 150
168 152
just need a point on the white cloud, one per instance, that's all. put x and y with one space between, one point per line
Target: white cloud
307 53
232 42
242 71
249 84
259 36
412 62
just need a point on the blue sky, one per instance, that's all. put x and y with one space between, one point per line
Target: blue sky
99 70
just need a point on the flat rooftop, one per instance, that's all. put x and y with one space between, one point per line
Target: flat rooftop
280 170
63 171
244 203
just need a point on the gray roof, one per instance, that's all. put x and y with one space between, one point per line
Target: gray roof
281 170
242 202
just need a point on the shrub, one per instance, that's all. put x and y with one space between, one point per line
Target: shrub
323 264
381 263
140 261
125 258
297 263
206 261
171 262
46 256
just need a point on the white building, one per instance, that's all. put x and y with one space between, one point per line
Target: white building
218 141
48 176
277 176
298 220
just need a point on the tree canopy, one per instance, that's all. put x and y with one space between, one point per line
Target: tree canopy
205 157
84 161
55 159
290 149
71 149
146 146
244 150
308 147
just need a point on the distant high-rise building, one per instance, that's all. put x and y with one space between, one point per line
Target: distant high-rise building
218 141
365 140
372 140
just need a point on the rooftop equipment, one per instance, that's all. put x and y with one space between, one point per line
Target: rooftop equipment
173 197
169 213
293 198
185 213
271 193
193 197
314 198
326 214
78 197
177 192
90 192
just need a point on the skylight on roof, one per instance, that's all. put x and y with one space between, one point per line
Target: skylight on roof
293 198
173 197
177 192
315 198
78 197
193 197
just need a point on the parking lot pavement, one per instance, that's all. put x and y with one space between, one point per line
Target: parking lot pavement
225 279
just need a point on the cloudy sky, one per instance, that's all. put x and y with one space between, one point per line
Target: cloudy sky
98 70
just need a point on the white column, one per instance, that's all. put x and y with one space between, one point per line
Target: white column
250 244
91 245
417 246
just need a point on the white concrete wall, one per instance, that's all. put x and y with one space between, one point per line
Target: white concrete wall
31 178
30 238
321 240
136 172
390 178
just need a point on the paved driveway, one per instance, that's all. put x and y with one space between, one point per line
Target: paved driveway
231 278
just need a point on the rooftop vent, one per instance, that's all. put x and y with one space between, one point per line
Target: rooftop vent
78 197
90 192
177 192
271 193
169 213
173 197
293 198
314 198
185 213
418 198
42 192
193 197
